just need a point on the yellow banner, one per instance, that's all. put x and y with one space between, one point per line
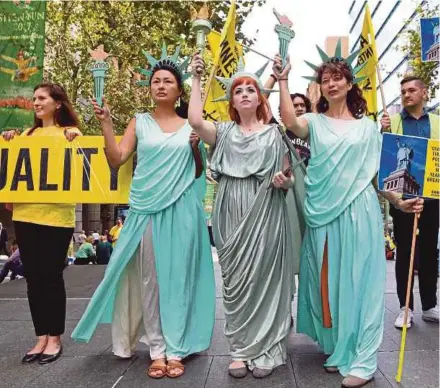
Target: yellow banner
431 186
226 52
368 54
52 170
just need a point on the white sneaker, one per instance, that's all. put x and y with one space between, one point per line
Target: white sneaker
431 315
399 320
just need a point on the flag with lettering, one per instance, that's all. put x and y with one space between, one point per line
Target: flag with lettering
368 54
226 52
22 35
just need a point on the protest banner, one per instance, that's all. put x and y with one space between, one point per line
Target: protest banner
430 39
368 55
410 165
53 170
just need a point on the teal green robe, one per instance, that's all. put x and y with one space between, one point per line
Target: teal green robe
342 205
164 191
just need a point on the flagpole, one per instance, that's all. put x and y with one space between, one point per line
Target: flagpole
211 77
382 93
257 52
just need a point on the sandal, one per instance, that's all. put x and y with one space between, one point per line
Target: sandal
156 366
175 364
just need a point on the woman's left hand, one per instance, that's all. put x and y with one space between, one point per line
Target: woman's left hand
70 135
281 181
194 139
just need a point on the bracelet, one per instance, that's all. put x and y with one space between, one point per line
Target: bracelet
274 78
283 79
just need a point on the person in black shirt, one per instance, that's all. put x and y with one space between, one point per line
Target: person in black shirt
301 104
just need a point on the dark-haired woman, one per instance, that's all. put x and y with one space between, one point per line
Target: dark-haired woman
159 285
342 273
34 223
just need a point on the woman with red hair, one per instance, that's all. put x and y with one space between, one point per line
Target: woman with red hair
251 226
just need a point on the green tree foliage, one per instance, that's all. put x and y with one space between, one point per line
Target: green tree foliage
411 46
125 28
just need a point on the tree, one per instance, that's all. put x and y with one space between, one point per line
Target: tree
125 28
411 46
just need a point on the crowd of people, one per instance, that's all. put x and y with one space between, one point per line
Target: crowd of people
97 248
270 221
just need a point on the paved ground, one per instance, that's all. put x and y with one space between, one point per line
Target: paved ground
93 365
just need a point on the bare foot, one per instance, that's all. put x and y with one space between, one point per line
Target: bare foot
157 369
40 345
237 365
175 368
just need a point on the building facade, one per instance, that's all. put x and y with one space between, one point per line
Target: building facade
390 19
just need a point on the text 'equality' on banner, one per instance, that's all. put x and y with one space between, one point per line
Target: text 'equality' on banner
52 170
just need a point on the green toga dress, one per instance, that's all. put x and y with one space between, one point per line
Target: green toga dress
254 240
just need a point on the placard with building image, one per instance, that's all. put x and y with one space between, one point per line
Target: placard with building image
430 39
410 165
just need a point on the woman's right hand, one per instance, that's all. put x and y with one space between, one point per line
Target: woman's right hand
197 65
9 135
101 113
277 68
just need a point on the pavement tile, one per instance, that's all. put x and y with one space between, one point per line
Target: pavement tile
99 343
300 343
388 345
196 372
422 335
282 377
219 343
219 309
309 373
13 374
420 370
82 372
93 365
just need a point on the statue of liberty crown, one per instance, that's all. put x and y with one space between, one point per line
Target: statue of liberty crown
164 60
338 58
240 72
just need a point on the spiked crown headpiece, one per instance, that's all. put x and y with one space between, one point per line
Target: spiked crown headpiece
227 82
338 58
164 60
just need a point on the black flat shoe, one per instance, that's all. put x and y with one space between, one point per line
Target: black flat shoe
48 358
28 358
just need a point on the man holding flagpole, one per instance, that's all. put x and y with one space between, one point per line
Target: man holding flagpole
414 120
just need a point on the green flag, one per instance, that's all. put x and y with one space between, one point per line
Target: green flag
21 59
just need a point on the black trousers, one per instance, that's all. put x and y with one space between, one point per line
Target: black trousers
3 249
85 260
427 253
43 250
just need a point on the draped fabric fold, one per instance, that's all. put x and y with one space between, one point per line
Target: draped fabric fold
342 206
254 242
165 192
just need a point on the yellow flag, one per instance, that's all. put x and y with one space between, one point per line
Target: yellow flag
368 54
226 52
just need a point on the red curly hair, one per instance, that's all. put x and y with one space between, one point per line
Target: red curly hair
262 110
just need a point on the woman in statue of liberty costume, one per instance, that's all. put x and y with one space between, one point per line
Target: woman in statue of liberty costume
251 226
159 286
342 271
